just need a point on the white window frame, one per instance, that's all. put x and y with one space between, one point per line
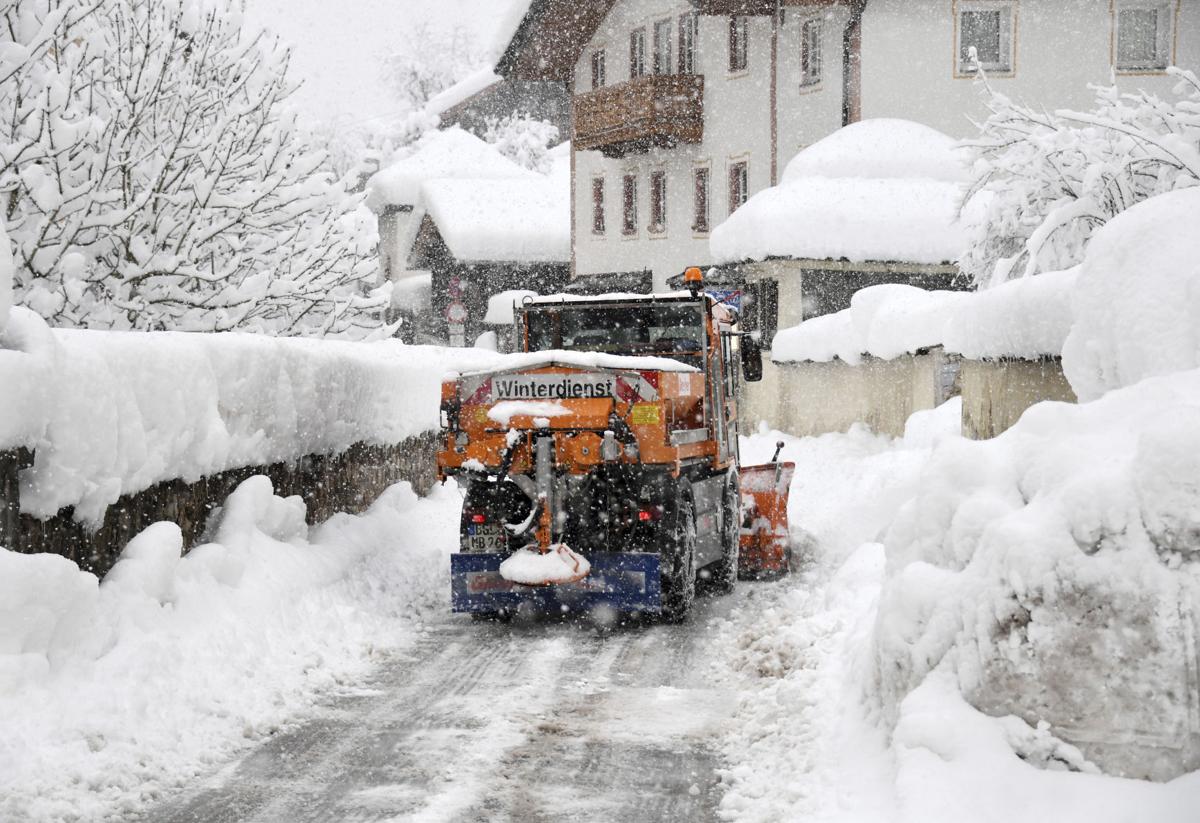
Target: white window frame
663 48
735 163
1164 47
599 207
1007 65
739 44
599 60
689 29
658 198
698 228
637 53
815 45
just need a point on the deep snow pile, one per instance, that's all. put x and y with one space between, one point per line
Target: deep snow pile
813 741
111 693
1053 573
875 190
1137 304
112 413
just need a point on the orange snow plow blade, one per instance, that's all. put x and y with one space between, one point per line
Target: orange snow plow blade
764 546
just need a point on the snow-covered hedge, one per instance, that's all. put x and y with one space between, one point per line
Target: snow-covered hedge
112 413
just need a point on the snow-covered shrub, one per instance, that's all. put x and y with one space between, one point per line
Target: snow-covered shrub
523 139
1137 299
1053 179
151 179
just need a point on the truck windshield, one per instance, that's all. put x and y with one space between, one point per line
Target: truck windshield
667 329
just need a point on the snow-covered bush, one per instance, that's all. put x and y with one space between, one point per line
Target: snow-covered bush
1137 299
523 139
151 179
1053 179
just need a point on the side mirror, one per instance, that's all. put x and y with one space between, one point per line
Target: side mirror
751 359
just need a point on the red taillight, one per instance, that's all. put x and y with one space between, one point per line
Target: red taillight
644 515
478 518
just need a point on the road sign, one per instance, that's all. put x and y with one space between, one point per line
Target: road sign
456 313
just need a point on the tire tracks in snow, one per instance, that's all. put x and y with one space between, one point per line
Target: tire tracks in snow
542 721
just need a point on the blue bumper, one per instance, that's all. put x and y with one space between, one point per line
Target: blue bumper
625 581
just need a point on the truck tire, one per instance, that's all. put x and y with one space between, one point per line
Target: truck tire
677 556
725 571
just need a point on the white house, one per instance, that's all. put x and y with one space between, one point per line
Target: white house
683 109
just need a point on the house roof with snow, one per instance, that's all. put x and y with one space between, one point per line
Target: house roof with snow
524 220
448 154
876 190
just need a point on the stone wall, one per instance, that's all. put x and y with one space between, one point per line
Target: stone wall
345 482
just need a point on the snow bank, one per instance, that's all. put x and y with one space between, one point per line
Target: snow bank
500 310
883 321
876 190
525 221
112 413
1137 304
1053 572
113 692
803 652
6 277
450 153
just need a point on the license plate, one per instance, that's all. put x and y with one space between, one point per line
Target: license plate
486 537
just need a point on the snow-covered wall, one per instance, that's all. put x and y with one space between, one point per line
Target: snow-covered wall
112 413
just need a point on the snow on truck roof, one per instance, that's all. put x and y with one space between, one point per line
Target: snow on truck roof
877 190
577 359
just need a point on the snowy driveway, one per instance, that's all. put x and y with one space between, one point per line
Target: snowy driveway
482 721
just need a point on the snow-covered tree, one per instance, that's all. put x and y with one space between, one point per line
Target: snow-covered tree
1048 180
151 178
523 140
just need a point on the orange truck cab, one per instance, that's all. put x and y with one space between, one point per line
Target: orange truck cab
599 465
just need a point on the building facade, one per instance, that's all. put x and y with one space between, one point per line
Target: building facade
683 109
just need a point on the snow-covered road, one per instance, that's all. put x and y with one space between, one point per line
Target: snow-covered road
491 721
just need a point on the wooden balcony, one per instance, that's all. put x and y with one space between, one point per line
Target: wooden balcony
655 111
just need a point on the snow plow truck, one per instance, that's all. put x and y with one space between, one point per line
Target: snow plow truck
599 465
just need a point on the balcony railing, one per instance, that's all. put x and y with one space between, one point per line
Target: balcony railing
652 111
